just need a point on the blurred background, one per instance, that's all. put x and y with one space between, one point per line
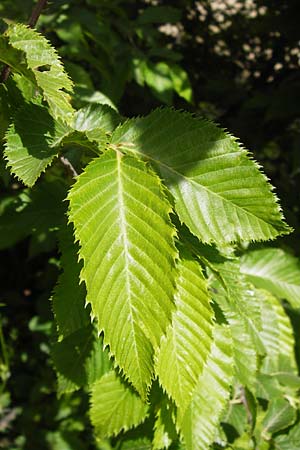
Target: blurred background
233 61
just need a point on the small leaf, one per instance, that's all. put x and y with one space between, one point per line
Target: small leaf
275 270
32 142
115 406
40 54
280 415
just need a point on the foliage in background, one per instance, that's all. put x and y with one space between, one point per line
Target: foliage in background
131 57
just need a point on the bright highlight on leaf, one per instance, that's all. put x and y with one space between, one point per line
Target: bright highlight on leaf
275 270
121 219
219 192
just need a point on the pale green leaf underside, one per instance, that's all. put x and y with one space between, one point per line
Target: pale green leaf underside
244 352
186 345
241 309
115 406
275 270
285 360
122 222
200 422
269 333
39 54
219 191
32 141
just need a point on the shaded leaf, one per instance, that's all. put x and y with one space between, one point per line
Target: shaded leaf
115 406
79 359
32 142
68 300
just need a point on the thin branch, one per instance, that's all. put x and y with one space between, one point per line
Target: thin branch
66 163
36 12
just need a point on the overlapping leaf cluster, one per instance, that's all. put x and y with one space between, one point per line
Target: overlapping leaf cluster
157 314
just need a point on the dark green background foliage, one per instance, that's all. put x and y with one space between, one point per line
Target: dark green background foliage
236 62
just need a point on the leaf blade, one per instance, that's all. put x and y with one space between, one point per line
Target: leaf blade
219 191
130 262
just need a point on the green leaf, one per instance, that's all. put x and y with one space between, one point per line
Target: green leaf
79 359
287 361
32 141
236 416
69 295
14 58
201 420
39 211
96 121
136 444
185 347
46 66
115 406
218 189
290 441
269 333
267 387
241 308
164 428
277 335
159 14
121 219
280 415
93 117
275 270
181 82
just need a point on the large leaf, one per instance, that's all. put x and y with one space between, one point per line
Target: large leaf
200 422
185 348
79 359
275 270
68 300
218 189
121 219
115 406
46 67
32 141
